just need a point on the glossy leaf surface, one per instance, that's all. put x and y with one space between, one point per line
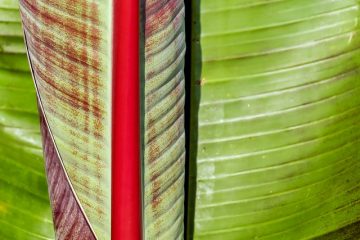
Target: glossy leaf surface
278 137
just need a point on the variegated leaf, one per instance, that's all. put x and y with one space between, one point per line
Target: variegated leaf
69 47
164 158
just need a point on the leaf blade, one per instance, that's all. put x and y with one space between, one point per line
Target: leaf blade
277 144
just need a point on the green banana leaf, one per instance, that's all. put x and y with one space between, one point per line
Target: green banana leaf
278 153
24 203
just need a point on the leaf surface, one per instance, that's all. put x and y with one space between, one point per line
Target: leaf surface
164 135
69 46
278 136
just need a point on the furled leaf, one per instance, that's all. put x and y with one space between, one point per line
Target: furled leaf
278 136
69 219
24 204
69 48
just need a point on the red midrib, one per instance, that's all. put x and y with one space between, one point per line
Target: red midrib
126 203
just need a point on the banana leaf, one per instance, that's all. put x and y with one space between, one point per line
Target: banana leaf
25 211
164 135
69 50
73 54
278 119
273 125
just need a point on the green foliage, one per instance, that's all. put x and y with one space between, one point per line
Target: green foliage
278 137
24 204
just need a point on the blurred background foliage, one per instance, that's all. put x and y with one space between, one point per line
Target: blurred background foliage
24 204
